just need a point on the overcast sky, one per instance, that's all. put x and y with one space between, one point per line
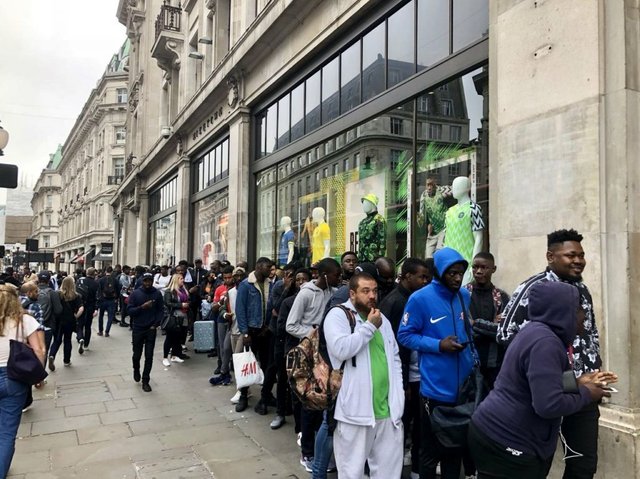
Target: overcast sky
52 53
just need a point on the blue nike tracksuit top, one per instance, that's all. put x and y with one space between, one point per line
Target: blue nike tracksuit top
433 313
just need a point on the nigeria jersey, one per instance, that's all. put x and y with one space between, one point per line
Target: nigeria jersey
371 237
461 222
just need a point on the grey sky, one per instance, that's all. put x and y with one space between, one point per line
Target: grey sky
52 54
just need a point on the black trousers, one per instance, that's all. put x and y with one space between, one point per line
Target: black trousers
271 370
173 342
495 462
84 325
260 346
412 422
143 340
580 430
283 394
310 422
433 452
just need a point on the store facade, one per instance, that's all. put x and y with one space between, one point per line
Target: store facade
400 99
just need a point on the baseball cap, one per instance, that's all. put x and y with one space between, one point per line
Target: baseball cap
44 276
370 198
147 276
369 268
239 269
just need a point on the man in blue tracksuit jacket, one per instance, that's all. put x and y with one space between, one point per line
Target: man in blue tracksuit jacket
433 324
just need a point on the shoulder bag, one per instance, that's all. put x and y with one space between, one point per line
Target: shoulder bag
450 424
23 365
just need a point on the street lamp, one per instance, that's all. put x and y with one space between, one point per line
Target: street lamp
4 139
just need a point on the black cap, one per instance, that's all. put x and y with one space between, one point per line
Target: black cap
147 276
44 276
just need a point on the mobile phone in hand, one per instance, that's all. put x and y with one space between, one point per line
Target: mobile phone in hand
610 389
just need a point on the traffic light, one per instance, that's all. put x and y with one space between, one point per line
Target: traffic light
8 176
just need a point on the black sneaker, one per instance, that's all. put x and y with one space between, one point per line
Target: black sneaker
123 324
261 408
81 346
217 371
271 401
52 366
243 402
146 388
136 375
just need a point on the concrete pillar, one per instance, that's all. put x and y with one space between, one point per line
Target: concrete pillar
142 247
129 239
565 113
182 217
239 178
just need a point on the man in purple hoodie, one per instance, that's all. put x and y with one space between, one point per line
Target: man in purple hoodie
514 431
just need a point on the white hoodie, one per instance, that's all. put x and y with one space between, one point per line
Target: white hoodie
308 309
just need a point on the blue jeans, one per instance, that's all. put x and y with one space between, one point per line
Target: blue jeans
12 397
323 450
108 305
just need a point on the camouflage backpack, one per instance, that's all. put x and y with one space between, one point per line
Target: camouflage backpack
311 376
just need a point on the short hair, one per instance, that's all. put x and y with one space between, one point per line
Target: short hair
485 255
227 270
304 271
354 282
91 272
411 266
430 264
384 260
264 260
293 266
347 253
27 287
326 265
109 269
560 236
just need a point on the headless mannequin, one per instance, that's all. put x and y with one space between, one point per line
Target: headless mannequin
318 216
285 226
460 189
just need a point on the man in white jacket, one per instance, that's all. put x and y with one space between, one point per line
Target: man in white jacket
371 400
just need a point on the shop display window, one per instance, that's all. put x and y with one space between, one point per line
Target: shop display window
210 219
163 240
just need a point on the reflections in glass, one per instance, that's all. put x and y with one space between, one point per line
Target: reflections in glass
284 117
330 91
297 112
400 41
373 63
350 78
470 22
266 192
312 104
433 32
211 220
163 238
272 121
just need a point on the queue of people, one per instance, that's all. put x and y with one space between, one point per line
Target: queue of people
405 343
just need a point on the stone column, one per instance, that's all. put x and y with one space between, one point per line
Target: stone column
239 177
142 247
182 216
565 115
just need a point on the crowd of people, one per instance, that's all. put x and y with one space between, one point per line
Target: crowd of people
406 336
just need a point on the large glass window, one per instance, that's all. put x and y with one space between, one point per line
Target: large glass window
321 201
283 121
312 103
330 88
210 219
164 198
212 166
163 240
433 32
400 41
373 62
470 22
350 78
297 112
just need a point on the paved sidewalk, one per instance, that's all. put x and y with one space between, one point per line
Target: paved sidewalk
91 420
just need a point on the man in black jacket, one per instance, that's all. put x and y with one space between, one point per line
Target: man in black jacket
87 288
415 274
146 307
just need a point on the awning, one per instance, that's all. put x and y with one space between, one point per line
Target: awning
87 256
100 256
75 258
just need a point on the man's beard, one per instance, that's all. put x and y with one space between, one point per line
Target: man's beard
364 308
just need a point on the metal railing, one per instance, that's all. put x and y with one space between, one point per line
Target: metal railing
168 19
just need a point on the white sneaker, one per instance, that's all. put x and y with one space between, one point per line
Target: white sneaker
176 359
166 362
236 397
299 439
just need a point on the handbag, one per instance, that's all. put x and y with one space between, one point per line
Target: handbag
23 365
450 424
246 369
170 322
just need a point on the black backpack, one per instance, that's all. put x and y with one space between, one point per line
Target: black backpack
83 289
109 291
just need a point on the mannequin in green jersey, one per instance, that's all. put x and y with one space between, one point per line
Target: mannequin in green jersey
464 224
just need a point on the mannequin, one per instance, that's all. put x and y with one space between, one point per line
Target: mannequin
464 224
371 231
321 240
286 247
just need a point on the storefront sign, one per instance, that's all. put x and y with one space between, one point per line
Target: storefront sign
107 248
213 118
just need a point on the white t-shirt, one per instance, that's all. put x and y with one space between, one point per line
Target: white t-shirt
232 295
29 325
161 282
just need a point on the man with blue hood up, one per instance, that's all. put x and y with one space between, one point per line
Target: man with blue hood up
434 325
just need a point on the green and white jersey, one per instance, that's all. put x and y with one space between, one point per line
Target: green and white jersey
460 223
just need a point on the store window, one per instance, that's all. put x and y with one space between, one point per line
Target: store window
163 239
211 166
378 165
400 41
210 219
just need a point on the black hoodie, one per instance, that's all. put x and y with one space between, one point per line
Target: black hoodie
524 410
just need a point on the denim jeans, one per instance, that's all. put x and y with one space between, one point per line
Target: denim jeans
323 450
12 397
108 305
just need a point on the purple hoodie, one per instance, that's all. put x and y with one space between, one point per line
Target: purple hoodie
524 410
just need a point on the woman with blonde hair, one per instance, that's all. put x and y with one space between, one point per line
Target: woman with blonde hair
176 299
16 325
66 323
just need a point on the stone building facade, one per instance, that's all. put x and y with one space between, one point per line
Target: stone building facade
91 168
246 115
46 204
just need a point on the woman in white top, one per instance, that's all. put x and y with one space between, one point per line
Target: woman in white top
14 324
